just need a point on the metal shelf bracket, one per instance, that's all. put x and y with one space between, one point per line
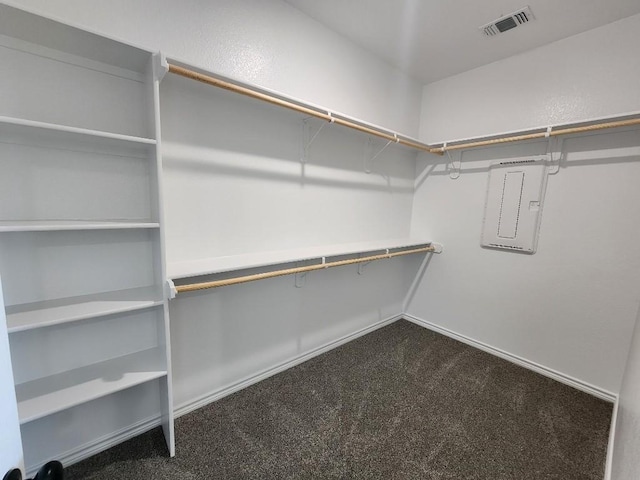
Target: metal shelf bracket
368 161
308 139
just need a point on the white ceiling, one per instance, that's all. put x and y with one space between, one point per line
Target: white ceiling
434 39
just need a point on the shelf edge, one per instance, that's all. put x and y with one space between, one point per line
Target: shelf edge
78 318
21 122
78 227
350 249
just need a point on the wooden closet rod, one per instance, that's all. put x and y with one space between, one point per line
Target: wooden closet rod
390 136
327 116
532 136
291 271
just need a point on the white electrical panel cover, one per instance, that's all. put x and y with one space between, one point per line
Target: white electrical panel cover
513 207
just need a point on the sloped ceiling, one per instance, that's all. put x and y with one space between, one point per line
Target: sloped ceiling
434 39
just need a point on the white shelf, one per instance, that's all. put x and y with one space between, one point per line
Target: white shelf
51 135
54 312
208 266
34 28
42 397
57 225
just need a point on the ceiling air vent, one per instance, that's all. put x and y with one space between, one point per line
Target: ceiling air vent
507 22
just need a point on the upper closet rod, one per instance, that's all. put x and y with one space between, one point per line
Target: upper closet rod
291 271
328 116
393 137
532 136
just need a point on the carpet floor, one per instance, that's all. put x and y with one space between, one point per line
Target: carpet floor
402 402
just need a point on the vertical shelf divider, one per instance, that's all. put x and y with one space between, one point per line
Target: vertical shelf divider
158 68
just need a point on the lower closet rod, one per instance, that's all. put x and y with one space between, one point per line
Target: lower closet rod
290 271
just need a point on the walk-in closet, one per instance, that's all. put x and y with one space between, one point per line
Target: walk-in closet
347 239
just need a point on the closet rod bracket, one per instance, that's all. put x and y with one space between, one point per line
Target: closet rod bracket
454 166
361 266
300 278
307 138
437 247
368 161
171 290
160 66
554 153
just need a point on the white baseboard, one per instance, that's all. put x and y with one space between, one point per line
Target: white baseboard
96 446
252 379
103 443
612 438
73 456
523 362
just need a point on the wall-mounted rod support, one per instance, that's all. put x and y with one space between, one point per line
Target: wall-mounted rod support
324 115
315 135
368 162
308 139
383 149
532 136
297 270
171 290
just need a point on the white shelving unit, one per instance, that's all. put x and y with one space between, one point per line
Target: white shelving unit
45 396
231 263
81 237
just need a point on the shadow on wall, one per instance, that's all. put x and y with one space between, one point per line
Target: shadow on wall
417 274
219 132
207 162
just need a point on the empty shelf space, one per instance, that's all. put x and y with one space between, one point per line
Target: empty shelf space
44 396
229 263
56 225
54 312
70 41
19 130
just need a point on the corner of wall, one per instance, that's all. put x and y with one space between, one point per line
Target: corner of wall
623 462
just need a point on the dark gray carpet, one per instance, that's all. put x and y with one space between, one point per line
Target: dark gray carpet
400 403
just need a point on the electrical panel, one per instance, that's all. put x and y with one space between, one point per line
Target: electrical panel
513 207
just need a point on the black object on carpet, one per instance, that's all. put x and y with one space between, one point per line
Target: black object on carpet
402 402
